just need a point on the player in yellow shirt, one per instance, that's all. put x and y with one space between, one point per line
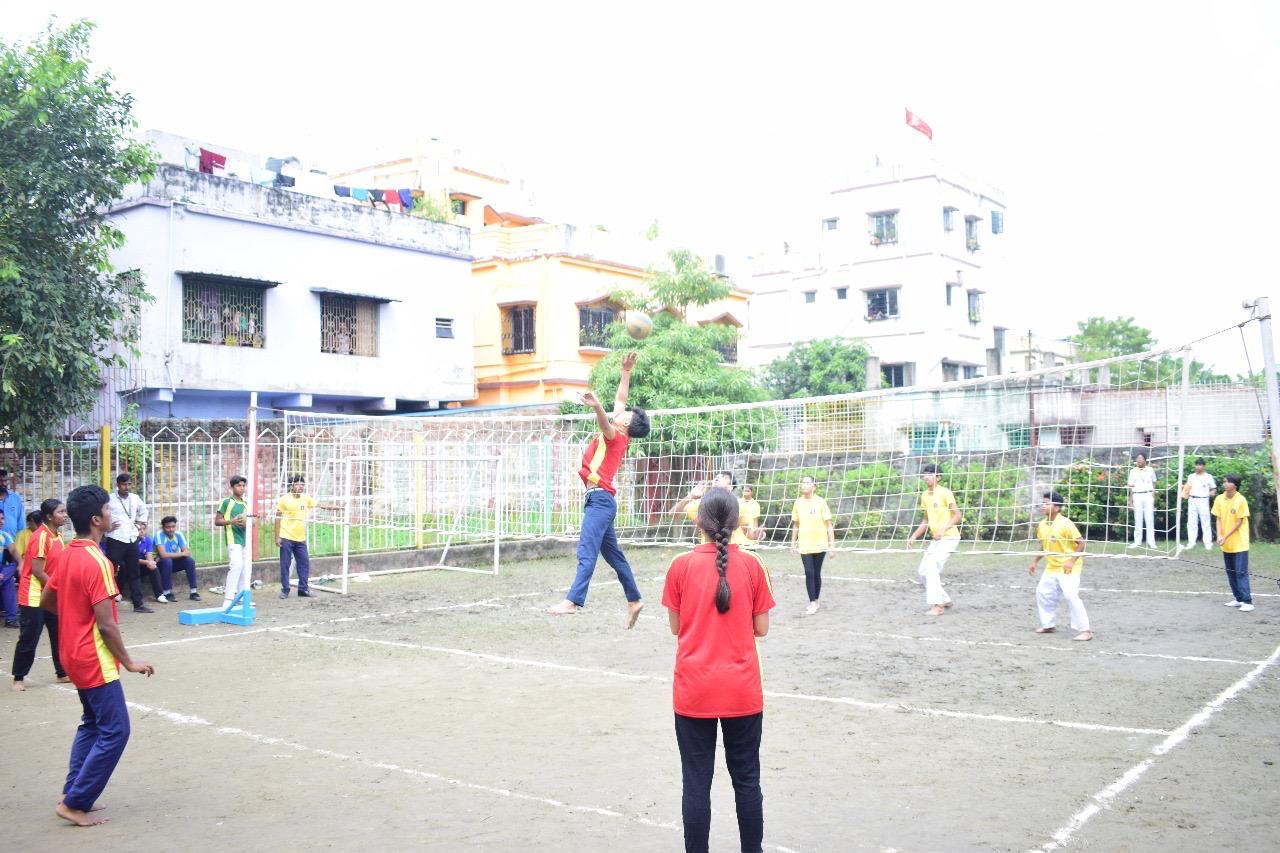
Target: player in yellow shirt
747 531
291 534
1058 537
812 537
1232 511
942 521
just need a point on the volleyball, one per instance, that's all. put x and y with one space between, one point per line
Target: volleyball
638 324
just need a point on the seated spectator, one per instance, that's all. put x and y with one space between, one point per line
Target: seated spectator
147 566
174 554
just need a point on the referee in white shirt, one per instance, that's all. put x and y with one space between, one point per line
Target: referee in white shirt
127 512
1200 489
1142 487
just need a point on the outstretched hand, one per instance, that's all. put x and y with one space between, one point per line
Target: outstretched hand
629 361
589 399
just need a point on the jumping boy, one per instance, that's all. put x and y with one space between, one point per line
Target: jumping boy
599 465
942 520
1061 579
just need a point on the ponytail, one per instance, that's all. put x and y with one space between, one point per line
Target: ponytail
718 518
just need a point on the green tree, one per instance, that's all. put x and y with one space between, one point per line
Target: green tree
1099 337
818 368
66 153
687 282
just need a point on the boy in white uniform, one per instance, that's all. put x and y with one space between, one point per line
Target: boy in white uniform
1058 537
1142 497
942 521
1200 490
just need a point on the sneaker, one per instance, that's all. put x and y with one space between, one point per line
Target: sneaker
1231 604
284 593
11 623
811 609
1245 608
1132 546
164 598
142 608
119 598
255 585
302 593
194 596
217 590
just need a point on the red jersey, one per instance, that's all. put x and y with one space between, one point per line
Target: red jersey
718 667
44 543
602 460
84 577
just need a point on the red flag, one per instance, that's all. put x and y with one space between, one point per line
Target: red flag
919 124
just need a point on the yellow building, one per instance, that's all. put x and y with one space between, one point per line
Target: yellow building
541 290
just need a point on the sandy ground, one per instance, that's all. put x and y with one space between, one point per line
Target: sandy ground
444 711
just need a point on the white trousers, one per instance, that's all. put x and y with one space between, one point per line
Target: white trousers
1144 507
1198 517
240 575
935 557
1052 589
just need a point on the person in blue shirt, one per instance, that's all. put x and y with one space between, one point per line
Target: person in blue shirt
174 555
9 559
147 567
15 514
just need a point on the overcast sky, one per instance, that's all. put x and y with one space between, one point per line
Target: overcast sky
1136 143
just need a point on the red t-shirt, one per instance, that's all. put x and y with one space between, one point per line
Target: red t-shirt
84 577
44 543
718 667
602 460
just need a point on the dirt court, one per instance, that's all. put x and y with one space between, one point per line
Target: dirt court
444 711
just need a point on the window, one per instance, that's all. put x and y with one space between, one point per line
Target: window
972 371
593 321
997 222
729 352
884 227
830 224
444 327
951 288
458 206
971 233
975 306
131 316
896 375
518 330
949 218
882 304
950 371
348 325
215 311
842 293
810 296
1075 436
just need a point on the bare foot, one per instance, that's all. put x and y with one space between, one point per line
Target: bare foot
1045 630
936 610
78 817
19 686
564 608
633 613
97 807
1083 636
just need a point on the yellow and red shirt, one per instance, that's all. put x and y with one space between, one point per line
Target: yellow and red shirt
84 577
602 460
718 667
44 544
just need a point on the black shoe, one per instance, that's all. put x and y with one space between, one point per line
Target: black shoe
284 593
302 593
11 624
195 596
142 608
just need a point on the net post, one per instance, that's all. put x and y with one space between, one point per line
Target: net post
419 498
250 534
1182 447
498 506
1262 308
346 526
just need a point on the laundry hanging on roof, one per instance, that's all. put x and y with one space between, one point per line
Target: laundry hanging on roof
342 192
376 195
406 199
210 160
359 194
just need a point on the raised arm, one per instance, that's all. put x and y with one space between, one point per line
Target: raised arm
695 493
624 385
590 400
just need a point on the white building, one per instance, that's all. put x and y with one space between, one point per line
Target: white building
314 303
906 259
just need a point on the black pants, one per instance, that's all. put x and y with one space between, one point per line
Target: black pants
32 621
697 740
125 557
813 573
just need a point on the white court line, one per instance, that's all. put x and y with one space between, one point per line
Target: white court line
190 720
1104 797
1221 592
772 694
1078 648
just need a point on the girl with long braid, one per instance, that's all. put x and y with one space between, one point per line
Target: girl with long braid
718 600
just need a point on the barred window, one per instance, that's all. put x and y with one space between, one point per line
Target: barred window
215 311
348 325
518 330
593 322
131 315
